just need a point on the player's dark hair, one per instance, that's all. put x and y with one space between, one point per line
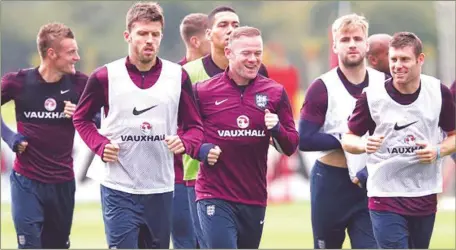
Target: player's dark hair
144 11
407 39
218 9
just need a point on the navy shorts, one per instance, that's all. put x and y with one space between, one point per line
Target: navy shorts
42 212
182 233
194 216
136 220
397 231
230 225
338 205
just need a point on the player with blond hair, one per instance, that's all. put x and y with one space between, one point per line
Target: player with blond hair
337 202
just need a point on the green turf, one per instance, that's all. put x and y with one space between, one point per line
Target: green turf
286 226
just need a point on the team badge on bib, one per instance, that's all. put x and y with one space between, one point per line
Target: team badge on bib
261 100
146 128
50 104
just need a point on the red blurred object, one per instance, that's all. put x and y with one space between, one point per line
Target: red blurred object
2 162
288 76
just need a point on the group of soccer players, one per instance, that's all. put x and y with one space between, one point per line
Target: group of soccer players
182 147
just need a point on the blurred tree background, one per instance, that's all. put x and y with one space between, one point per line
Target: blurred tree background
300 29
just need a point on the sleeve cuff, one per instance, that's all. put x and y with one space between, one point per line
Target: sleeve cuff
101 150
362 176
275 130
204 151
18 138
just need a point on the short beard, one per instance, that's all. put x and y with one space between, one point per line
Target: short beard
352 64
145 61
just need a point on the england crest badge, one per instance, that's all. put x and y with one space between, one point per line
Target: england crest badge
261 100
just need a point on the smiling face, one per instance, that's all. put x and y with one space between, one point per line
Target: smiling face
406 57
58 47
405 67
65 56
245 56
245 53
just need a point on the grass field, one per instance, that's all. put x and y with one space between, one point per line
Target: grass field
286 226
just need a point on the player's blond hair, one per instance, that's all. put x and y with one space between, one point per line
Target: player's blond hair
350 22
50 35
144 11
243 31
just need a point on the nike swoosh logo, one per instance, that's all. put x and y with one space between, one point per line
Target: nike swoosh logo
220 102
64 91
397 128
138 112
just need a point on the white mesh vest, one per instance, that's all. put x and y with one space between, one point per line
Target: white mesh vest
394 170
340 106
138 119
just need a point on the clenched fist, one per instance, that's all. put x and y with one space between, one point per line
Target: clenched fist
111 152
69 109
373 143
213 155
428 154
270 119
21 146
175 144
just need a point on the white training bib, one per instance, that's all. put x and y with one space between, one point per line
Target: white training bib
340 106
394 170
138 121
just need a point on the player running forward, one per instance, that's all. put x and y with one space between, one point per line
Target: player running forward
42 180
192 29
143 99
222 21
337 204
241 110
405 117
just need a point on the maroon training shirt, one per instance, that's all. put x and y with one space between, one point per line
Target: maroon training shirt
212 69
233 119
39 109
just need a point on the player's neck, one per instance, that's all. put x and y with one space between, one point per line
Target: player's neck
48 73
240 81
219 58
408 87
142 66
192 54
355 75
